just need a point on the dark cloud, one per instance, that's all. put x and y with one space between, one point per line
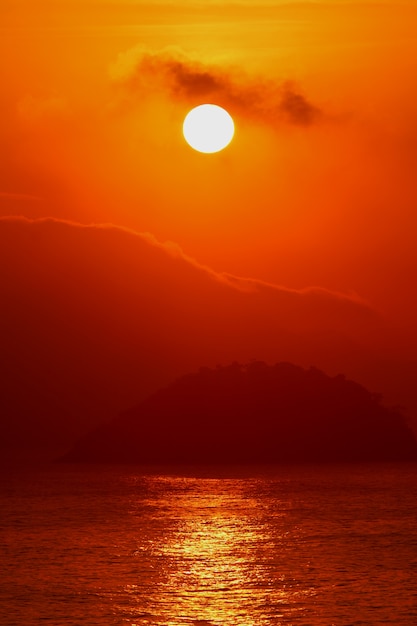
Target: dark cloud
189 80
95 317
174 251
296 107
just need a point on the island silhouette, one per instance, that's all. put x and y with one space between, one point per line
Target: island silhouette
253 413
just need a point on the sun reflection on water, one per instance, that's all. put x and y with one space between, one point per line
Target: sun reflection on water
213 558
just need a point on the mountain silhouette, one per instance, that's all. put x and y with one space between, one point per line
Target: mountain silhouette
254 413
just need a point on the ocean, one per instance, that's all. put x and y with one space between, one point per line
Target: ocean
124 545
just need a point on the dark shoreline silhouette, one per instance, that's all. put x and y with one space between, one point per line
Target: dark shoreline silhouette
254 413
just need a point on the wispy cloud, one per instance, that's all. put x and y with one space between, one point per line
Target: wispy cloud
10 195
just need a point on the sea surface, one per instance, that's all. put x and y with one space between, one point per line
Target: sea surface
311 545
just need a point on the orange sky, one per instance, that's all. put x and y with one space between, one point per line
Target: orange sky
316 194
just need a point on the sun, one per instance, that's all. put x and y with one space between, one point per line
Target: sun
208 128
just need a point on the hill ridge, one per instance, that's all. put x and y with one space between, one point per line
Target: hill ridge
253 413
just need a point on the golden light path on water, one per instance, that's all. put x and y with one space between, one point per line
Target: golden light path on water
117 546
213 557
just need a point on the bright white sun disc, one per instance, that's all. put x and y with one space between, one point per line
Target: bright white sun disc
208 128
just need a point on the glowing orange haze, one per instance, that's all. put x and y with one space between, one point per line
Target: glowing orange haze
317 189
